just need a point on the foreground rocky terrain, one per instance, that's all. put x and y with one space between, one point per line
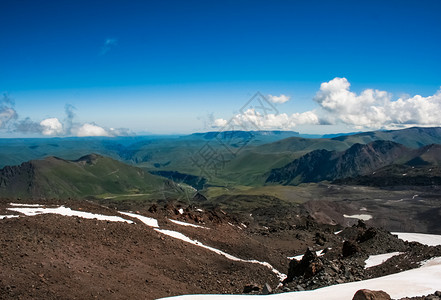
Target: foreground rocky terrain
51 256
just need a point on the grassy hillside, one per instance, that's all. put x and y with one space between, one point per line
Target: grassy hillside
91 175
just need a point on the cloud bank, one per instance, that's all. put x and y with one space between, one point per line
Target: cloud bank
337 105
9 121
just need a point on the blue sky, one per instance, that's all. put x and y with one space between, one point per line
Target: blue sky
175 66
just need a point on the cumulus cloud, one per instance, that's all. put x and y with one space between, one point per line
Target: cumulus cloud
108 45
220 123
279 99
51 126
374 109
89 129
369 110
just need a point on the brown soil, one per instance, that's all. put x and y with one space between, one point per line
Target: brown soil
56 257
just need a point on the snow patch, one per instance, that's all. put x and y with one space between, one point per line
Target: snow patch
66 211
186 224
180 236
181 211
26 205
426 239
8 216
299 257
360 217
146 220
375 260
412 283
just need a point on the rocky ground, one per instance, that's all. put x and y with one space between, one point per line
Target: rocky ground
345 262
56 257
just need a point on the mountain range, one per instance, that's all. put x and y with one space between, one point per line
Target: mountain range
143 165
359 159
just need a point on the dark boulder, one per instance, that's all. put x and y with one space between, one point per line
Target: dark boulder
367 235
350 248
307 267
371 295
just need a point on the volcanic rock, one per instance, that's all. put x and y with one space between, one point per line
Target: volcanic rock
371 295
350 248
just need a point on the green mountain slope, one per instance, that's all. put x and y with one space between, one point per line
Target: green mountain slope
91 175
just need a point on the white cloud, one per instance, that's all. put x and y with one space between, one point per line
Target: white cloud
51 126
279 99
369 110
89 129
253 119
220 123
374 109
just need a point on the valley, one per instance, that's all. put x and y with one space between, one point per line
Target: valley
186 226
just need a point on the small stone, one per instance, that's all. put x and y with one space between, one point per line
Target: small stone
299 288
267 289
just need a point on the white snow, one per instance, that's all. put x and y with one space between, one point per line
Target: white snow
375 260
299 257
186 224
337 232
146 220
184 238
198 209
26 205
417 282
360 217
66 211
426 239
8 216
181 211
